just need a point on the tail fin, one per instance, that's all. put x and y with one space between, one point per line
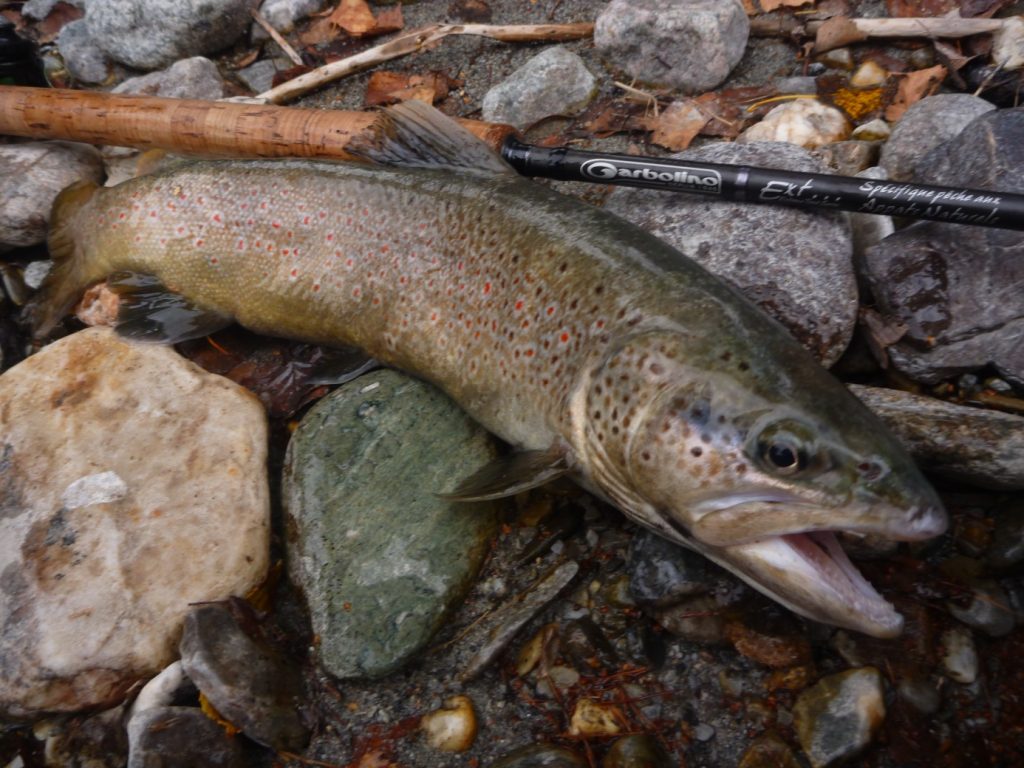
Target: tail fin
71 274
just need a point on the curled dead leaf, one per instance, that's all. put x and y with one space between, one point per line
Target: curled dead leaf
913 87
677 125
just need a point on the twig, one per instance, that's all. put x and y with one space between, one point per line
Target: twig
648 98
276 37
418 40
840 31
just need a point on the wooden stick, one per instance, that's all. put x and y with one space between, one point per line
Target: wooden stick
840 30
276 36
418 40
189 126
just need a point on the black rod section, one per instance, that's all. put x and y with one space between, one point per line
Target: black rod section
745 184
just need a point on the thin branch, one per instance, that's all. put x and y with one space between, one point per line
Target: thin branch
276 37
418 40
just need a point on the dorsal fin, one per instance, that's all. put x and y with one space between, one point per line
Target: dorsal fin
414 134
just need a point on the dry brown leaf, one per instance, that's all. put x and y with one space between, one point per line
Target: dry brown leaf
47 30
389 20
749 8
913 87
677 125
770 5
354 16
319 32
392 87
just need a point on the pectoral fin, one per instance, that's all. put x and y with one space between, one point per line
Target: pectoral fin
511 474
148 311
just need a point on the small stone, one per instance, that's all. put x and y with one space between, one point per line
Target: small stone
258 77
245 681
790 679
662 572
704 732
689 45
697 619
453 728
873 130
989 610
870 74
134 484
558 680
377 593
595 718
960 658
637 751
924 126
769 751
150 34
164 689
837 58
542 646
920 693
36 272
838 718
775 643
40 9
554 82
801 272
32 174
805 122
980 446
180 737
194 78
83 58
282 15
797 85
1008 44
849 158
540 756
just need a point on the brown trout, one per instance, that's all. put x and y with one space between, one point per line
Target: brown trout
589 345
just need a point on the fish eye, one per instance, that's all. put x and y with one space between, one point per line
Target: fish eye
783 455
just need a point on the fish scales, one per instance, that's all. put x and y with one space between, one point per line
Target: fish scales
568 332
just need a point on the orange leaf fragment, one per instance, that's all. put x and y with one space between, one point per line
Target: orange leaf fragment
771 5
389 20
677 125
354 16
392 87
913 87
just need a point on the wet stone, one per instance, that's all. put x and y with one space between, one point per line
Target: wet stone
540 756
282 15
769 751
921 693
697 619
982 447
689 45
774 641
960 658
795 264
987 609
31 176
639 751
849 158
149 34
662 573
258 77
181 737
451 728
111 526
554 82
194 78
380 558
805 122
247 683
924 126
838 717
957 289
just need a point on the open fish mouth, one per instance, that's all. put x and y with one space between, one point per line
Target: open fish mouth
812 575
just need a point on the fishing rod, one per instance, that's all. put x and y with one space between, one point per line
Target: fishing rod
231 129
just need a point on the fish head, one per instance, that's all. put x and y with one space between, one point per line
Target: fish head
760 479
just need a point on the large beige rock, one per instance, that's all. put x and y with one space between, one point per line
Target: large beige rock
132 483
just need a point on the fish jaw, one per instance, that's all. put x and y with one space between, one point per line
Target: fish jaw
810 574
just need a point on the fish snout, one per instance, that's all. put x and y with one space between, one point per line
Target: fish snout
925 521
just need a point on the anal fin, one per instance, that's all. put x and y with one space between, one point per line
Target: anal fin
509 475
148 311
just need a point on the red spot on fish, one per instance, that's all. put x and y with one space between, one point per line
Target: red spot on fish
599 323
330 236
241 245
487 287
519 305
259 243
433 317
275 224
152 214
349 262
305 219
121 216
214 260
458 267
384 249
294 273
216 217
288 233
323 214
199 243
181 230
565 338
356 292
376 300
529 352
285 251
316 287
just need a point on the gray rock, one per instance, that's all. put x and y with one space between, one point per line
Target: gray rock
194 78
258 77
380 557
31 176
662 573
40 9
988 610
247 683
282 15
959 289
110 526
540 756
36 272
979 446
960 657
796 264
149 34
83 58
181 737
921 693
554 82
838 717
691 45
924 126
